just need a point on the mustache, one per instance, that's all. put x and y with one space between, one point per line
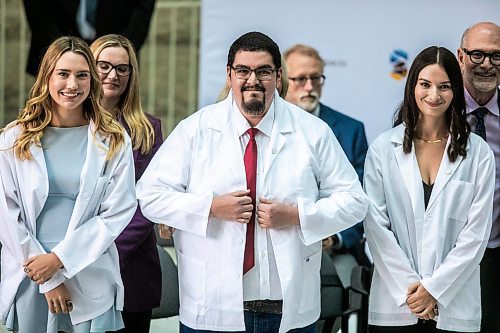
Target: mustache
312 94
486 72
256 87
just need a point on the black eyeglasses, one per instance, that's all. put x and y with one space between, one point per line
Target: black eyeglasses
317 80
262 74
105 67
477 56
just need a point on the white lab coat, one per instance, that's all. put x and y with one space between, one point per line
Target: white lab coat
441 246
105 204
202 158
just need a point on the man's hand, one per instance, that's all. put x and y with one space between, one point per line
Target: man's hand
42 267
274 214
421 302
165 231
235 206
59 300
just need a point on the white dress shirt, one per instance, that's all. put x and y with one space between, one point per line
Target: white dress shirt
262 280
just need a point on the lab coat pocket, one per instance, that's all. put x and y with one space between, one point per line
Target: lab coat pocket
459 199
310 298
95 281
192 286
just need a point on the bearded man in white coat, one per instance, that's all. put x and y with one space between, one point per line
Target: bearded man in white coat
251 185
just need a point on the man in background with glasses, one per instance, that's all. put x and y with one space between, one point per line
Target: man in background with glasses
479 58
305 74
252 185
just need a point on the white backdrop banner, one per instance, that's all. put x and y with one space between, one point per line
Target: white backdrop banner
366 44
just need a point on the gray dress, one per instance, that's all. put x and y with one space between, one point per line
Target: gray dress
65 150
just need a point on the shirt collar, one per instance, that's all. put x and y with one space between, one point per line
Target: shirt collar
316 111
492 104
265 125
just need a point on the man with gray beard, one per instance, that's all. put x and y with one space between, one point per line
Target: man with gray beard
305 70
251 185
479 58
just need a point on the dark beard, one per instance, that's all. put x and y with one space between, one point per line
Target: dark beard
254 106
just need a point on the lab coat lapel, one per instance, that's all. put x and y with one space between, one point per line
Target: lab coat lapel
93 168
445 172
282 125
411 193
225 138
39 187
410 173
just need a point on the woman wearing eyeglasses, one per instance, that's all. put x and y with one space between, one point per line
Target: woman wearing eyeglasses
139 262
430 182
66 193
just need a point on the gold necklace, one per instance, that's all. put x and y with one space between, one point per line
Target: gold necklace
433 141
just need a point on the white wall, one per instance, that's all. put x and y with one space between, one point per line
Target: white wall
358 36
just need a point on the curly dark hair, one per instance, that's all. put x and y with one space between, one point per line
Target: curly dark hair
408 112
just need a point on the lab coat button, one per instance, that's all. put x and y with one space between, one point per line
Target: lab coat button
275 151
448 172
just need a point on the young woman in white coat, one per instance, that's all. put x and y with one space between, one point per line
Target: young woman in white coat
67 191
430 182
139 261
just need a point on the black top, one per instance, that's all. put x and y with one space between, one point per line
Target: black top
427 192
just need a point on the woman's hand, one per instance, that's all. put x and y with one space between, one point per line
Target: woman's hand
42 267
59 300
421 302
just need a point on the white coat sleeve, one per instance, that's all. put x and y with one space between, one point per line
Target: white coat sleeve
389 259
93 237
162 190
342 202
461 261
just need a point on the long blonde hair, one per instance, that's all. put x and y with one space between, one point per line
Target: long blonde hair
37 113
129 105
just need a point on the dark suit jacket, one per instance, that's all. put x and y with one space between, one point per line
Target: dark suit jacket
351 135
139 260
51 19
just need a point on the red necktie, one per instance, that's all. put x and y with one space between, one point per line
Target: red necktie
250 159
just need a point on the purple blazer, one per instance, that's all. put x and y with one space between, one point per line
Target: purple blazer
139 261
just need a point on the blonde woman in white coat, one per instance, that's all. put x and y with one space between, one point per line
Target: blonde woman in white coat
67 191
430 182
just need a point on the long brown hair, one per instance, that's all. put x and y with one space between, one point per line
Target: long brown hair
130 108
408 112
37 113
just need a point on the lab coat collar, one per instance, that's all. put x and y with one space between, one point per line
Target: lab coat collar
411 174
226 136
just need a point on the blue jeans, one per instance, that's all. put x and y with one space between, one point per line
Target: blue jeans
256 322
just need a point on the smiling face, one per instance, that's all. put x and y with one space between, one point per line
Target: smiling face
69 83
113 85
253 96
433 93
484 77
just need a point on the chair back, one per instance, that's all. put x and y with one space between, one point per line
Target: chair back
169 305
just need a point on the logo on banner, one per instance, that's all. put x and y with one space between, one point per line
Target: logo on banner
398 60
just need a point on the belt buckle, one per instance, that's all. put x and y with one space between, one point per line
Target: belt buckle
264 306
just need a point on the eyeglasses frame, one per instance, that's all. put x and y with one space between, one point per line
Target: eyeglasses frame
114 67
321 77
253 71
484 54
